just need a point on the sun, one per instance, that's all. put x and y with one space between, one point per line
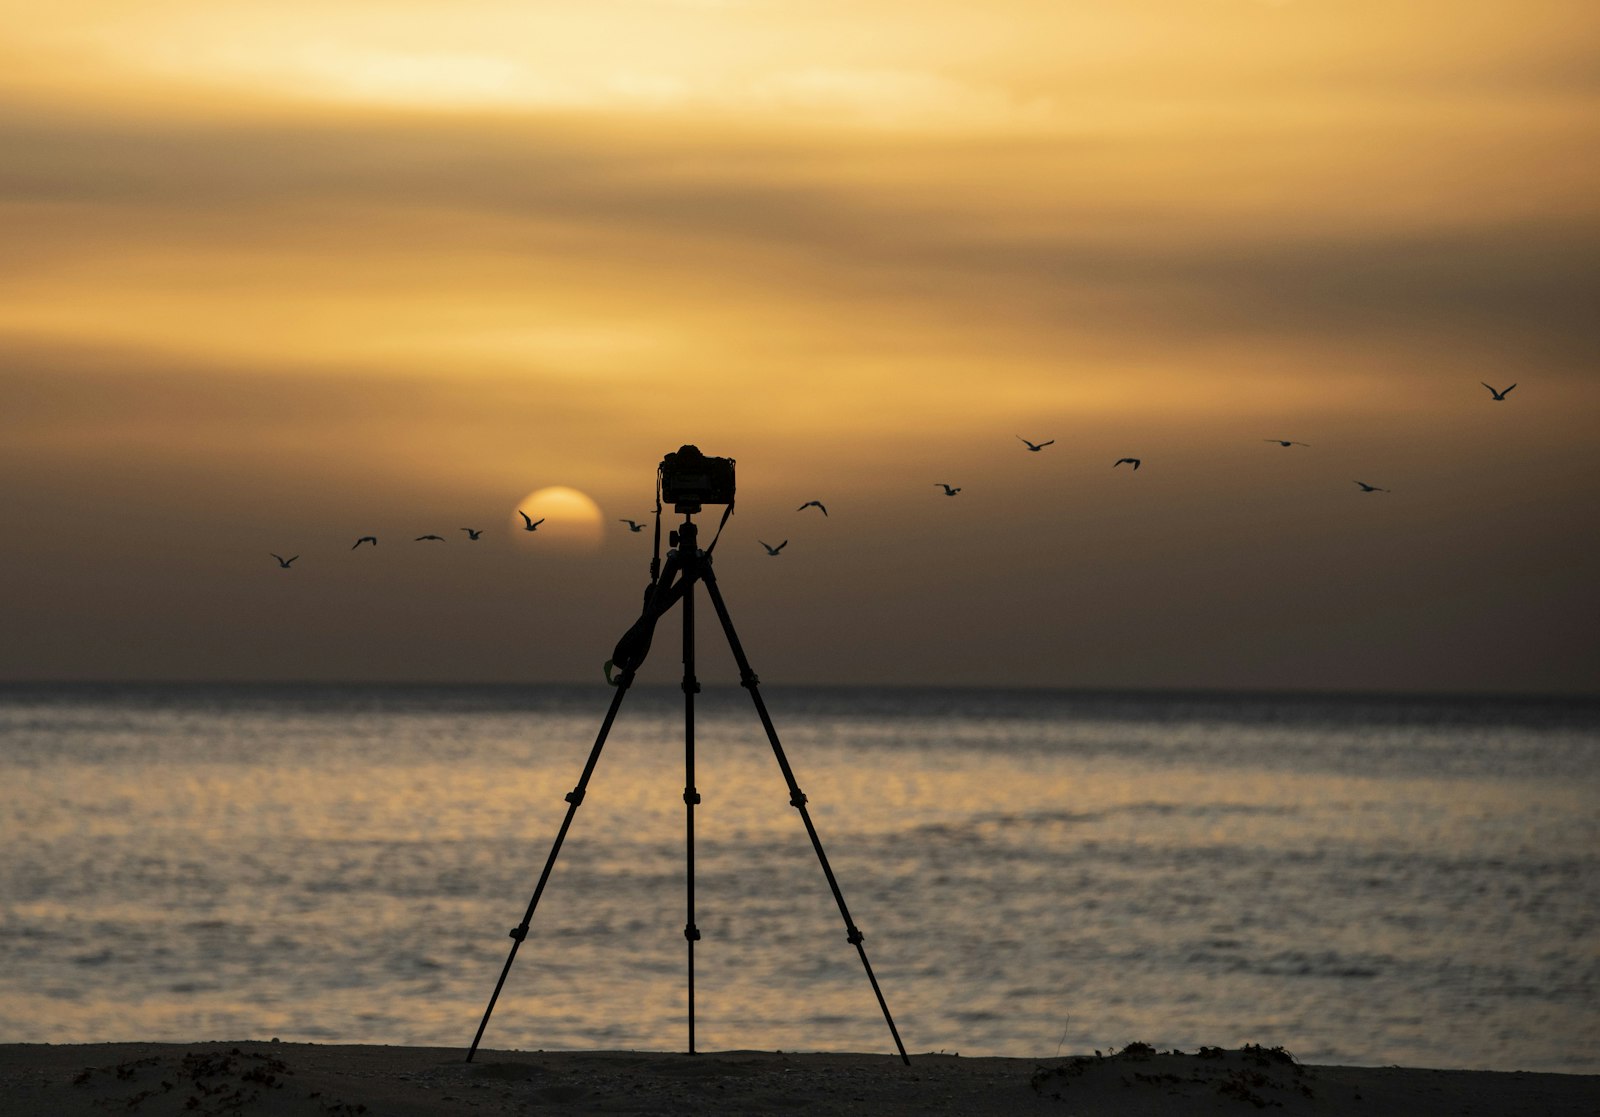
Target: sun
572 521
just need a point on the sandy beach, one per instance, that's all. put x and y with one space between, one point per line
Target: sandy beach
316 1080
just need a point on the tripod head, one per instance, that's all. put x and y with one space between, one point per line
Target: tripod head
687 534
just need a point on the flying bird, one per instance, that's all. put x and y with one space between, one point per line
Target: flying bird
633 526
373 539
1285 442
473 532
530 524
420 538
1036 446
771 550
1499 395
812 504
948 491
1131 461
283 562
1366 488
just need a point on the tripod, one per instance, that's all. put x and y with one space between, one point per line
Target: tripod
686 566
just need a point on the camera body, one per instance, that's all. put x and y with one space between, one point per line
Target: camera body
690 479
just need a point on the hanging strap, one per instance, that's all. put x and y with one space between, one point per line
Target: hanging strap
726 512
655 560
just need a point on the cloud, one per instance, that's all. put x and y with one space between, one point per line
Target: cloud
483 226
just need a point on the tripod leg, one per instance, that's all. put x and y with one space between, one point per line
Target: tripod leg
797 798
574 798
691 796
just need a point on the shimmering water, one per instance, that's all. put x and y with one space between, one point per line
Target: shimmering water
1363 881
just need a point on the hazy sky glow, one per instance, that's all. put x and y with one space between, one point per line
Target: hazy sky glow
275 276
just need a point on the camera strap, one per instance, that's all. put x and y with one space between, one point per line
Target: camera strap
655 560
726 512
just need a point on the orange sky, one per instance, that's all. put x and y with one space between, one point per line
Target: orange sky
276 276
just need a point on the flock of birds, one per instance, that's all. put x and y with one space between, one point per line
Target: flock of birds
530 524
473 534
1036 447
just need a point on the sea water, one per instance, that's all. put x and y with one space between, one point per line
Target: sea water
1362 880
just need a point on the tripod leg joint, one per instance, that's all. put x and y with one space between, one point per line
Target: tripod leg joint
749 680
691 932
855 936
575 796
691 685
797 799
691 796
519 932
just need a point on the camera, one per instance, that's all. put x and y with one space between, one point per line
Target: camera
690 479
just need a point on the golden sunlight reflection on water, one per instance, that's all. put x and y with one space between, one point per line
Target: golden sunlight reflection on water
352 878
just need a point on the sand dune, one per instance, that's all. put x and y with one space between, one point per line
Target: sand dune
314 1080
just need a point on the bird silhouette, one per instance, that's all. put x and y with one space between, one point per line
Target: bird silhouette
473 532
420 538
1499 395
528 523
1132 461
771 550
812 504
373 539
1285 442
632 525
948 491
1036 446
1366 488
284 562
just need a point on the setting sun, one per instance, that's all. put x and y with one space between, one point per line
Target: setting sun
566 519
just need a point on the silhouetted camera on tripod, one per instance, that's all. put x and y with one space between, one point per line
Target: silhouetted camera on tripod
686 479
690 479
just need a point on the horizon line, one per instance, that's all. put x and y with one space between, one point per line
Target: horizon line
1087 690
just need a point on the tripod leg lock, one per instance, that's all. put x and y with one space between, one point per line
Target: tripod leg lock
691 796
797 799
575 796
749 681
691 932
519 932
855 936
691 686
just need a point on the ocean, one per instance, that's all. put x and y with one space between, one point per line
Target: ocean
1380 880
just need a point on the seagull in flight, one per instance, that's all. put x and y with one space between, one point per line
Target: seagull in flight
633 525
473 532
1036 446
530 524
420 538
812 504
1499 395
373 539
948 491
1285 442
1132 461
1366 488
284 562
771 550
